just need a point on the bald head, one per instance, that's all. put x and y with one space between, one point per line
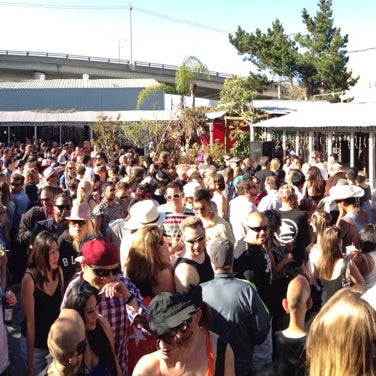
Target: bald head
65 333
298 292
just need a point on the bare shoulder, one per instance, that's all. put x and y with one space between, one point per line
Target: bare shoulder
148 365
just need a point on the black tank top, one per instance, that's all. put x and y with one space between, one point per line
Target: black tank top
204 270
46 311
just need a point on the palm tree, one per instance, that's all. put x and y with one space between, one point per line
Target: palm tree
185 76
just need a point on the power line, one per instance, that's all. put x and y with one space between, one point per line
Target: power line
117 7
362 50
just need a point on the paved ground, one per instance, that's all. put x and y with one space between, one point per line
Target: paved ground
16 367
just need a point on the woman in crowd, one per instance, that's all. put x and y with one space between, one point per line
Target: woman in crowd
41 296
216 184
84 194
275 165
366 260
332 267
70 241
314 185
320 221
99 356
280 256
148 263
68 175
341 340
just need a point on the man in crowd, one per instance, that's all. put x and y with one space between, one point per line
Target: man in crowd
254 264
106 211
214 225
238 314
194 266
239 208
264 172
57 224
119 300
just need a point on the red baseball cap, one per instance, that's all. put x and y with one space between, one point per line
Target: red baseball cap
100 253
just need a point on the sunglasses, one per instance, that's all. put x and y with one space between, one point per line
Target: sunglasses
80 223
258 229
15 184
62 207
71 168
80 349
123 197
175 196
105 272
182 328
197 240
2 211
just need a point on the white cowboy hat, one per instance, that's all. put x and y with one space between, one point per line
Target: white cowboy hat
342 192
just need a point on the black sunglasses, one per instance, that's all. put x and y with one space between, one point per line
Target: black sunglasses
197 240
62 207
80 223
105 272
258 228
80 349
182 328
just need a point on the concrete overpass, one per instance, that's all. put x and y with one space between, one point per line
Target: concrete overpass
26 65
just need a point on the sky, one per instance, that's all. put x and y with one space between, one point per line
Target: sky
167 31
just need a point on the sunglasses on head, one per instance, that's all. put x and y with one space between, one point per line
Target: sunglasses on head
105 272
62 207
258 228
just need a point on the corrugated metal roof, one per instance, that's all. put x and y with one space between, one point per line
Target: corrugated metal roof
327 115
78 83
82 116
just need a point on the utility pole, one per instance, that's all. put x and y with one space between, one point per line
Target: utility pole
130 31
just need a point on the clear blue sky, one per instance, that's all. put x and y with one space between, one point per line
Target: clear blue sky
60 26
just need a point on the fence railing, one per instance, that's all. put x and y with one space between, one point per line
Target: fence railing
98 59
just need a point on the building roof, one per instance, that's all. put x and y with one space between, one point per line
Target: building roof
18 117
78 84
326 115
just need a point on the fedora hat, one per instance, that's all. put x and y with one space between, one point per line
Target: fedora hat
342 192
80 212
144 213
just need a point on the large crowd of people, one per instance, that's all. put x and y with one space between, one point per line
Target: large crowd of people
144 266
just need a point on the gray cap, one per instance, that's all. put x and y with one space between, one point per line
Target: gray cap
221 253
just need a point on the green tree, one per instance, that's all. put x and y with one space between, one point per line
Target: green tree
316 59
323 63
107 132
190 69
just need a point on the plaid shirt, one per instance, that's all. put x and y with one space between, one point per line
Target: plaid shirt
118 314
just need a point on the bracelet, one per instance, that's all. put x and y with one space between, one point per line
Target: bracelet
130 298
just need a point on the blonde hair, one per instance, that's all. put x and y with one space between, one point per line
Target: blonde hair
275 164
84 190
341 338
